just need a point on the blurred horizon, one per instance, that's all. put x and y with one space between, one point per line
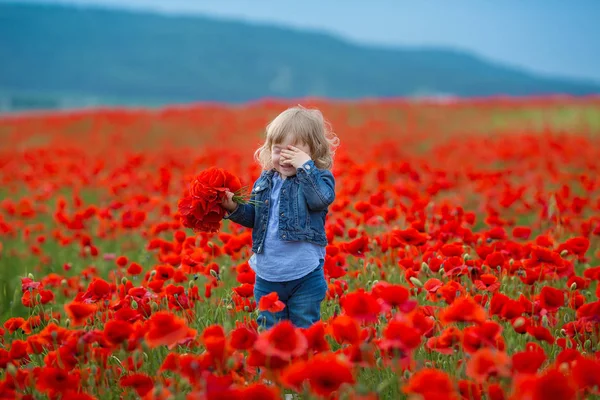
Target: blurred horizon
549 38
151 53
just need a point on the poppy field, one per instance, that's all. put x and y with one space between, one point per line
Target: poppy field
463 258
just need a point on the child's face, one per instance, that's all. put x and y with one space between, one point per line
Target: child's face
286 170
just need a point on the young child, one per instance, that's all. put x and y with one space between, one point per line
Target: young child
291 201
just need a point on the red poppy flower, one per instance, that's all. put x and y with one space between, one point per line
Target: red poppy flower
164 328
450 291
447 342
469 390
452 250
579 282
521 232
170 363
551 385
18 350
283 341
98 290
487 282
200 208
325 374
541 333
401 336
134 269
357 247
121 261
117 331
361 305
214 341
394 296
585 373
242 338
271 303
315 337
495 392
79 312
589 311
245 290
55 380
541 256
577 246
551 298
344 329
488 362
141 383
259 391
431 384
464 309
14 323
488 334
410 237
528 362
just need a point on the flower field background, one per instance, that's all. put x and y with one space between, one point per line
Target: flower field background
463 259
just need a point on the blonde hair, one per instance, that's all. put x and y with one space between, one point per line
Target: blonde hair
309 127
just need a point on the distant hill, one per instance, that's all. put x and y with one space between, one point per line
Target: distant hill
53 50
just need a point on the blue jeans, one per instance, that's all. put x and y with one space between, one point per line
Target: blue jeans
302 298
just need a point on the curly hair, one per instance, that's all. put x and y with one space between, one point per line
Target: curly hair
309 127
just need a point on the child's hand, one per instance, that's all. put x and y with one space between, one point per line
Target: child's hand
294 156
228 202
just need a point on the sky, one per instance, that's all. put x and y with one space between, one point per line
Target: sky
552 37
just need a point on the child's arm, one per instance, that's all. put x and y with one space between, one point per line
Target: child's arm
318 186
242 214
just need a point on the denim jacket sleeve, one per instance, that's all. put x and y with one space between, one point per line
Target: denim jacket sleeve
318 186
243 215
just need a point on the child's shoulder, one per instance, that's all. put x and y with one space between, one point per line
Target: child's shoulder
262 177
263 174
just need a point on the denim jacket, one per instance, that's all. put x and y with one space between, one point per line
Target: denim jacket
303 206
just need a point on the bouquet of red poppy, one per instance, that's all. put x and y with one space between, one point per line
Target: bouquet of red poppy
200 208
